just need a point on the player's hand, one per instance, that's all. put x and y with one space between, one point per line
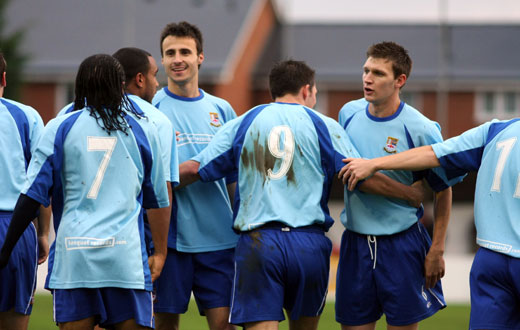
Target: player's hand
356 169
177 133
43 249
417 194
156 264
433 268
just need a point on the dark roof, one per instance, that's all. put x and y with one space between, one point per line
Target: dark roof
337 52
60 34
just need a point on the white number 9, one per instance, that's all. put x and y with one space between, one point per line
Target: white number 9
286 155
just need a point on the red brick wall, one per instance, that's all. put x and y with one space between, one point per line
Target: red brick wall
336 99
42 97
238 91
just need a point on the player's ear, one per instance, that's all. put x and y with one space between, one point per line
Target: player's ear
139 79
400 81
201 58
305 91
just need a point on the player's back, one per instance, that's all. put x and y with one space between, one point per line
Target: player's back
20 129
100 182
492 149
286 155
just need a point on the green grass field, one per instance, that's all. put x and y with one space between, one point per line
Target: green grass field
454 317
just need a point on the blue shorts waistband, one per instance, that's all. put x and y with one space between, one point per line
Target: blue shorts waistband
413 227
276 225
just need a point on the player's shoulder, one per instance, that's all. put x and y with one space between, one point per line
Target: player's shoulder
330 123
494 127
220 102
147 108
27 110
66 119
159 97
354 106
66 109
414 119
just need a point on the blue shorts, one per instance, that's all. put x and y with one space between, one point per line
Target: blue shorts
279 268
18 278
385 274
208 274
495 291
109 306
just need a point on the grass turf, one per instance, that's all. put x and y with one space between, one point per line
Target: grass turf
454 317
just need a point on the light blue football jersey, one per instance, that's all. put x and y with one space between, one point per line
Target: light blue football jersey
165 129
166 135
493 150
286 156
201 213
20 129
99 183
66 109
376 137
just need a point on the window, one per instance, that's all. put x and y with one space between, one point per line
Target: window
489 102
497 104
510 102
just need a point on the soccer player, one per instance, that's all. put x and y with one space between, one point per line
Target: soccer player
387 261
492 150
286 155
100 167
20 130
141 85
201 241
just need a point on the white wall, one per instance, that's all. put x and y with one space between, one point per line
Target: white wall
400 11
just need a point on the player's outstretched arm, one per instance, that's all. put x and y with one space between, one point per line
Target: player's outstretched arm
24 212
434 267
44 221
414 159
159 220
188 173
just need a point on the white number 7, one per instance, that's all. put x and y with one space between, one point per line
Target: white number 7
106 144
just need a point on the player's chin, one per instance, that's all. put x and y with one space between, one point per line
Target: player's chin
369 96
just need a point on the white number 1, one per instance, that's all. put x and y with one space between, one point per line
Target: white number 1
506 146
106 144
286 154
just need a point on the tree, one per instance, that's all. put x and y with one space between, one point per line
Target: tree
10 47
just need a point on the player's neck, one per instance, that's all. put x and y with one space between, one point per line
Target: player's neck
289 98
384 109
189 89
133 90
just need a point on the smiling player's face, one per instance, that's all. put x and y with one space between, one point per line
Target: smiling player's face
180 59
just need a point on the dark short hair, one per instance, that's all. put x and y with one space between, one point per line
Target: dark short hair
3 63
389 50
134 61
287 77
183 29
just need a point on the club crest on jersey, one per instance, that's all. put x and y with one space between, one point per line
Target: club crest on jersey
391 145
214 119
